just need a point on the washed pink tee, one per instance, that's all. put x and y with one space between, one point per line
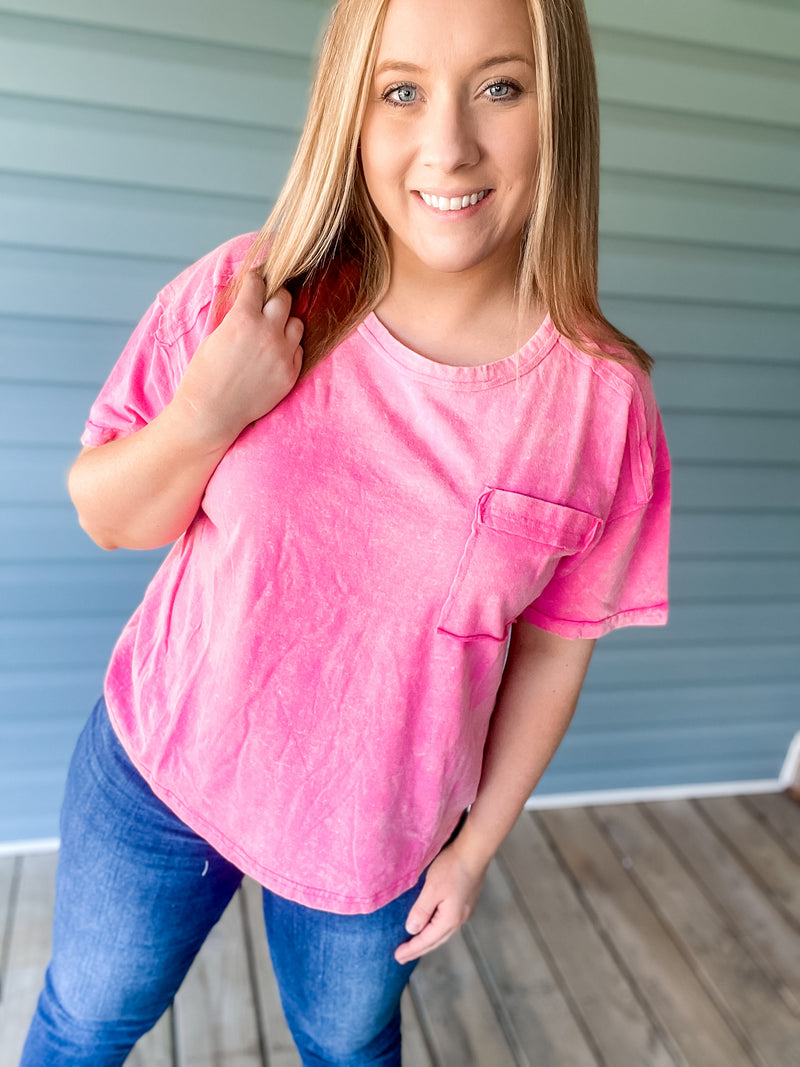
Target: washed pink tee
309 679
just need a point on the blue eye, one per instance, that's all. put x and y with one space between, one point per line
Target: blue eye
400 95
502 91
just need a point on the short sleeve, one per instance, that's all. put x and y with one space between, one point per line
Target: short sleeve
147 374
620 578
139 387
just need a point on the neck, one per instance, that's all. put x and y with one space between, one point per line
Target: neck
466 317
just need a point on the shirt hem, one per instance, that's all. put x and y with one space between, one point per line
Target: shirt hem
571 628
297 892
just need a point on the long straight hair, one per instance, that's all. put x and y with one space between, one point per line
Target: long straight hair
325 239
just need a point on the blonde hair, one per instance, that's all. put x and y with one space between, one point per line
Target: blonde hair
325 237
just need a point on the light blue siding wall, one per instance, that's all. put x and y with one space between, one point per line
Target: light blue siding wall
700 235
136 137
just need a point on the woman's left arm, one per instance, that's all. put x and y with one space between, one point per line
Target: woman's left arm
537 698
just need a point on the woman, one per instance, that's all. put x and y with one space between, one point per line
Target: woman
436 452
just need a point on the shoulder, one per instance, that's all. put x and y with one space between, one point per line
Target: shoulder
622 397
190 296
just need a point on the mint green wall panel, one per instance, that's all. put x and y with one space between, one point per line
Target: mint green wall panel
137 136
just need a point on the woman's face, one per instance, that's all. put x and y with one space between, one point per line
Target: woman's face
450 139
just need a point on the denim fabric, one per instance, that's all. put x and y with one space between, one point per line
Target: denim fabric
136 895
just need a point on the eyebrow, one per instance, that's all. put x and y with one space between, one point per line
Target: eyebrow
493 61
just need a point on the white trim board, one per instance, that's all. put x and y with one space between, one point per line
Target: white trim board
789 776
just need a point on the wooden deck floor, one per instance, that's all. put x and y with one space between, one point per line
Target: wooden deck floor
648 935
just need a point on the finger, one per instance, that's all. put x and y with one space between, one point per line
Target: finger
278 307
422 910
294 330
251 291
434 935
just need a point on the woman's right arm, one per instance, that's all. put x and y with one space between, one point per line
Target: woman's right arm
143 491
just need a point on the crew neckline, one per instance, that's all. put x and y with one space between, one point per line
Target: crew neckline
496 373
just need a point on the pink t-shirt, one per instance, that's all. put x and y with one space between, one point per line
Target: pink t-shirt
309 679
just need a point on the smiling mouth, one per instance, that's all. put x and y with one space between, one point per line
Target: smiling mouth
453 203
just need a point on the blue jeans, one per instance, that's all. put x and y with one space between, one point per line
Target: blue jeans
137 892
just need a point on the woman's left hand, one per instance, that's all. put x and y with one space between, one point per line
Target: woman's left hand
447 900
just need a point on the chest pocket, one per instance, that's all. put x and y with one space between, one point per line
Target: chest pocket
515 545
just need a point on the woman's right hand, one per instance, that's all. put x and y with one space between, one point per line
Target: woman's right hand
247 365
143 491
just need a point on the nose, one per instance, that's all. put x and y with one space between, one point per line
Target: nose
450 138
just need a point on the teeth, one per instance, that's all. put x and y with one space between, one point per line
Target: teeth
454 203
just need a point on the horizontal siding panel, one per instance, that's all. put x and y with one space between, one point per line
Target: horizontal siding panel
283 25
716 623
111 584
87 217
747 753
633 205
43 415
35 475
640 712
758 28
38 702
102 289
28 534
698 273
736 580
64 350
670 144
695 79
732 438
615 668
102 144
40 644
716 386
708 330
159 75
711 486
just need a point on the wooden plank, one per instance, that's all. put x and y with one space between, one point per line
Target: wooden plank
155 151
276 1040
775 869
215 1012
10 867
285 25
154 74
759 28
664 978
644 140
729 973
156 1048
28 952
731 885
600 992
415 1047
636 205
44 643
538 1019
781 815
455 1010
660 73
